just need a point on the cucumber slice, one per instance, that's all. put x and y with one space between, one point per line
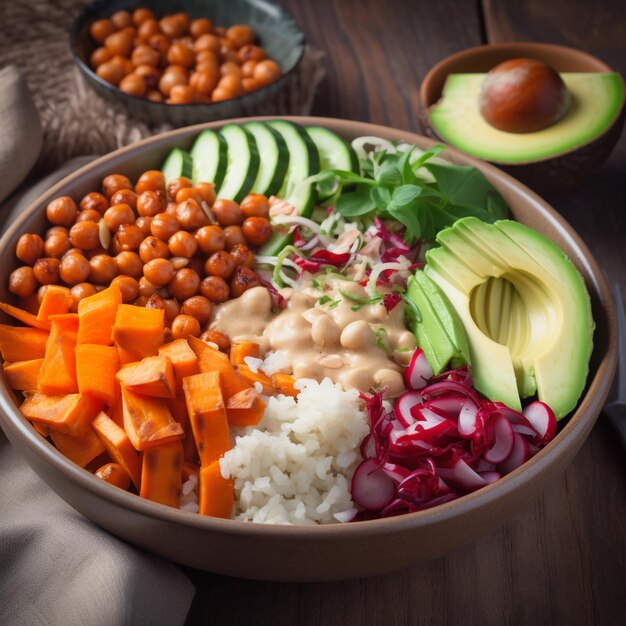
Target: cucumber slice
335 153
243 163
303 162
178 163
210 154
274 158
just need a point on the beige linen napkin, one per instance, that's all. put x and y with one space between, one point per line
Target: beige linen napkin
56 567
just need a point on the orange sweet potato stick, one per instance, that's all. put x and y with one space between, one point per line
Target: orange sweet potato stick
178 409
58 371
257 377
71 413
22 376
96 315
161 474
284 383
239 350
138 331
56 299
183 358
80 449
20 343
24 316
96 366
152 376
216 492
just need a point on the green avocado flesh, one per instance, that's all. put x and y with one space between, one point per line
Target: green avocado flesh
525 310
439 330
596 101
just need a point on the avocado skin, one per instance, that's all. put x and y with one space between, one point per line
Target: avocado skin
439 332
553 311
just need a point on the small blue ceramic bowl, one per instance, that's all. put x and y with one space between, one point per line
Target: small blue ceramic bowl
276 30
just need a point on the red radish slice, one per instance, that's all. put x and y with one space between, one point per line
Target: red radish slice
404 405
490 477
451 404
461 473
503 441
485 466
518 455
527 431
368 447
371 487
419 372
542 418
397 473
468 422
446 387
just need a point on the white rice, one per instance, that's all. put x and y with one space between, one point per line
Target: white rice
276 361
295 467
189 495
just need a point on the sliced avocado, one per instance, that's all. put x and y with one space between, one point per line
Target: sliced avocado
545 330
439 332
596 100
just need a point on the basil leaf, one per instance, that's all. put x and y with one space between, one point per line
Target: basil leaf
426 156
404 167
327 183
388 174
355 203
405 194
408 216
381 197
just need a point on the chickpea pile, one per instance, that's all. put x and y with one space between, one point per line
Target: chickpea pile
173 247
179 60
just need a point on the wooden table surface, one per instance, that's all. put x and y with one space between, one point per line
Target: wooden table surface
562 560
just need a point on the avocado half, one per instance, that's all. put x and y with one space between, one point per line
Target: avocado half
555 158
525 310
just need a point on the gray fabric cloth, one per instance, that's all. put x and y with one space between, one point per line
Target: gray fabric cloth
21 130
56 567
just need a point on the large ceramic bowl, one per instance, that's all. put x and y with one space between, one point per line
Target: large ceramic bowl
293 553
277 32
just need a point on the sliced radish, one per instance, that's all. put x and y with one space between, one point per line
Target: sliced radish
419 371
542 418
446 387
468 422
371 487
460 472
485 466
368 447
518 455
397 473
404 405
490 477
503 441
450 404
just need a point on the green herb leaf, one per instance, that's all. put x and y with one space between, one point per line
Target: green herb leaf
379 336
360 299
355 203
405 194
408 216
388 174
404 166
411 310
381 197
429 154
323 300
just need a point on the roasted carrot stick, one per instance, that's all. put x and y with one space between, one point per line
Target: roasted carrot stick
139 331
183 358
56 299
284 383
239 350
257 377
161 474
178 409
216 492
80 449
20 343
58 371
22 376
96 366
96 316
152 376
24 316
71 413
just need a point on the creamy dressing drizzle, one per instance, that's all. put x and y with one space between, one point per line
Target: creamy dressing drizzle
325 340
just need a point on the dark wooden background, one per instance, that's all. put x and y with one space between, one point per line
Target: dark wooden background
563 559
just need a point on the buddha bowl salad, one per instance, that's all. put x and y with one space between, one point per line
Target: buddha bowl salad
369 335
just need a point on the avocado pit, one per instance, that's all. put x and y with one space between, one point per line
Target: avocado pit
523 96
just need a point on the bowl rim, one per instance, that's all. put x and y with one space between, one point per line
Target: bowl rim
578 424
116 91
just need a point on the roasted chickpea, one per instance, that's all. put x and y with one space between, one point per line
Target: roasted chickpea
62 211
249 84
89 215
147 29
99 56
172 26
207 42
145 223
23 281
129 264
227 212
243 279
133 85
230 83
46 271
153 248
228 53
57 245
127 237
103 269
119 43
185 326
141 15
94 201
207 191
176 184
155 96
210 239
80 292
124 63
101 29
29 248
55 230
251 53
257 230
117 215
233 236
267 72
74 269
201 26
208 60
255 205
189 192
184 284
113 183
151 180
145 55
128 286
180 54
219 339
199 307
85 235
215 289
121 19
240 34
95 252
146 288
150 203
161 44
247 69
170 307
158 271
182 94
163 226
150 76
190 215
220 264
242 255
182 244
124 196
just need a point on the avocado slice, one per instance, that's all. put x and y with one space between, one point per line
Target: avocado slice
525 309
439 331
596 100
